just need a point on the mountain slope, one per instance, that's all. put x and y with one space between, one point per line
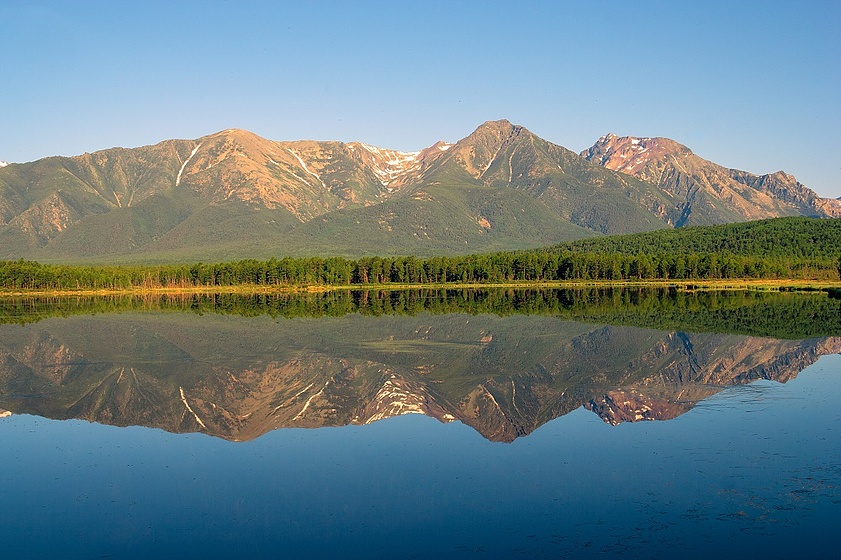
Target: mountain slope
705 193
208 197
501 155
437 220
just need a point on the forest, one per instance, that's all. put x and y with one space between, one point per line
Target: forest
782 237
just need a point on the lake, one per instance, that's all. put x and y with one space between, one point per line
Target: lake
415 424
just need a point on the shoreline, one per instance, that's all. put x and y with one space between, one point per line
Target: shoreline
253 289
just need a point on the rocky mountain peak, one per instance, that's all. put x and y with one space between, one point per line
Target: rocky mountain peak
500 130
477 152
630 154
787 188
234 133
390 166
782 176
234 139
441 146
704 192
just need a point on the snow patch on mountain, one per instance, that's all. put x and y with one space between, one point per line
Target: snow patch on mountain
190 409
389 165
305 168
628 154
393 399
183 165
4 163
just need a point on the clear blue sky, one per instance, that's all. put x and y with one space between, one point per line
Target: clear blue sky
751 85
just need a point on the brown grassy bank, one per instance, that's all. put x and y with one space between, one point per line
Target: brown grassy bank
718 284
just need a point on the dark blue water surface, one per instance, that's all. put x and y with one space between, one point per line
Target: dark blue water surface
753 471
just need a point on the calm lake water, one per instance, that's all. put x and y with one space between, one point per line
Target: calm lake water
589 425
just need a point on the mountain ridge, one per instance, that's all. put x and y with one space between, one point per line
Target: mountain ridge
234 193
700 185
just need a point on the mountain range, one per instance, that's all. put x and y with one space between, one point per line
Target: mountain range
234 194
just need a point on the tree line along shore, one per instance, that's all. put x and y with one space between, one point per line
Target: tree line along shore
497 268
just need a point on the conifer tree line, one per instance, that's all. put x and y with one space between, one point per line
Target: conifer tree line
785 237
495 268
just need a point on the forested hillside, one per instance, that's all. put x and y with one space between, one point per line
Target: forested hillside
783 237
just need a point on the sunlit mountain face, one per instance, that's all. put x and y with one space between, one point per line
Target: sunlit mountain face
235 194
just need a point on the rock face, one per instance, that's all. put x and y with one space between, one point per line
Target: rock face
235 194
704 192
306 178
238 378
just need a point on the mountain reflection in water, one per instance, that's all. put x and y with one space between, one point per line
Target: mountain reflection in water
239 377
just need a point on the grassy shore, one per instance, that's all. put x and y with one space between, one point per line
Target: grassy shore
721 284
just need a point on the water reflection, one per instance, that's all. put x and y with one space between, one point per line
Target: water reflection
238 377
772 314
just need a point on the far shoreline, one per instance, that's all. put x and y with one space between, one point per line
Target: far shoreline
255 289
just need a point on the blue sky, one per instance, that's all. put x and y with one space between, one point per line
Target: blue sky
750 85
